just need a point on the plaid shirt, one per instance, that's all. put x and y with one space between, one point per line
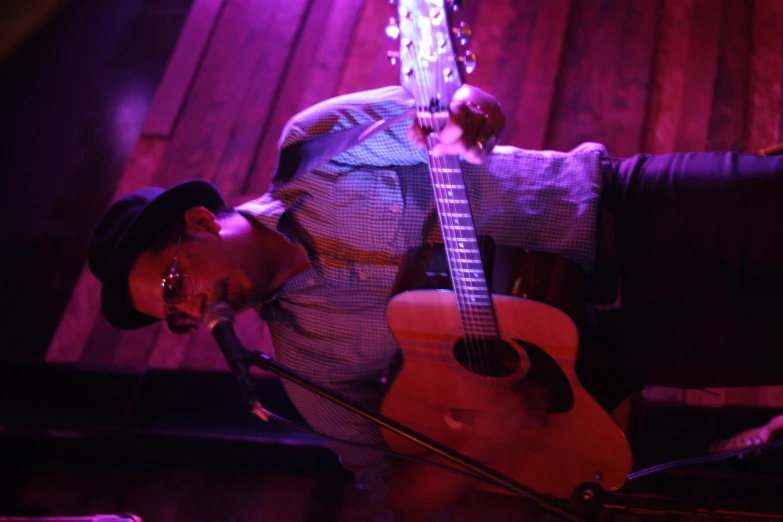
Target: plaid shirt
358 213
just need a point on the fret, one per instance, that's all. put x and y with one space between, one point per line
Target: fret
479 300
481 320
475 295
456 201
456 214
470 286
463 242
487 323
448 186
485 326
445 170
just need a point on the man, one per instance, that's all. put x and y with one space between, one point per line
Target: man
696 249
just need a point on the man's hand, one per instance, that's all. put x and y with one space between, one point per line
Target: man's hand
476 123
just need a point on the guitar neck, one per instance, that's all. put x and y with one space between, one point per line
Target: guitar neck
431 72
461 244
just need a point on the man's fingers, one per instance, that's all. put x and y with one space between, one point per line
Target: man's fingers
417 135
468 132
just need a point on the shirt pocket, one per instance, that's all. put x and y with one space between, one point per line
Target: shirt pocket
368 211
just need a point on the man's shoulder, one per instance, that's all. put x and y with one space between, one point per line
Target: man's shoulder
345 111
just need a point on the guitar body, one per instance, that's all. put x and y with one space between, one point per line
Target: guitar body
437 394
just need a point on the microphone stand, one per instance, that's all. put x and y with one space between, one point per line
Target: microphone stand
586 497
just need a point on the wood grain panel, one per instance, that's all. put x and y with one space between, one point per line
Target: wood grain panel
502 40
671 58
313 75
577 105
367 65
83 308
190 49
208 138
519 46
700 72
304 69
537 89
765 89
727 118
630 89
605 76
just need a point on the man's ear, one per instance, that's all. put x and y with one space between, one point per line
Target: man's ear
199 219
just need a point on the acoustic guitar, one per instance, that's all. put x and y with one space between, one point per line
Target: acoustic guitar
481 325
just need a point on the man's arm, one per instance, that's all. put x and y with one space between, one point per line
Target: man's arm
475 126
389 147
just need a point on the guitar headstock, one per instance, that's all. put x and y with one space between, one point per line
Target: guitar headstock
430 36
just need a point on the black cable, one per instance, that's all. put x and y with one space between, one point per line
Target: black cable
387 451
739 453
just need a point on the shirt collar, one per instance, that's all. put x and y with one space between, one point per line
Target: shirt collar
266 210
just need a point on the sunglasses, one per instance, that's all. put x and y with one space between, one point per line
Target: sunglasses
177 288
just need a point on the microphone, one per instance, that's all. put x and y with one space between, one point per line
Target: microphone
219 319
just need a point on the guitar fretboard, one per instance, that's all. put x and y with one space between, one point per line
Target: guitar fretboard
461 244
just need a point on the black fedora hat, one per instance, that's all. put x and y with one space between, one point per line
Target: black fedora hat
127 228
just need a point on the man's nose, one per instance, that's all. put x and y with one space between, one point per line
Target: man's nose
194 307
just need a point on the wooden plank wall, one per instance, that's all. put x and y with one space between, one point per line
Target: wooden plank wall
637 75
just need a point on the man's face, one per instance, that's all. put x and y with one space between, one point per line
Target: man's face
187 276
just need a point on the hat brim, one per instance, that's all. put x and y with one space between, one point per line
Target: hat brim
159 212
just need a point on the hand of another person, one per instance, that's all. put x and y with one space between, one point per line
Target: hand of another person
752 438
476 123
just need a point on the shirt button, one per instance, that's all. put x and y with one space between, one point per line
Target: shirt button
363 276
310 281
395 209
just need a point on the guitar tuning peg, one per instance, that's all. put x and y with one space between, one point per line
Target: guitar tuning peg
392 2
463 33
455 5
393 29
393 57
469 61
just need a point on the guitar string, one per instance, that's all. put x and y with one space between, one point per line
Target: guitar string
477 315
450 168
428 123
476 355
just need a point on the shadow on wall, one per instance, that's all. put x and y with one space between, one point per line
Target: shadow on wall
21 18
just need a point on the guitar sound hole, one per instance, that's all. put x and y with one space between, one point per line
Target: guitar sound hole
487 357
